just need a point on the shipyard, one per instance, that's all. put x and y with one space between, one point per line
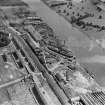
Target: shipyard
36 66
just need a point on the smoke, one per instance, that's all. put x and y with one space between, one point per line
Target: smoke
94 59
102 80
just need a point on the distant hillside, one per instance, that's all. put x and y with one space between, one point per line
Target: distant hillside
12 3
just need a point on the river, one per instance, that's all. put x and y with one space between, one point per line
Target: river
81 46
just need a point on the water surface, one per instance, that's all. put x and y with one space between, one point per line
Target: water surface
76 41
